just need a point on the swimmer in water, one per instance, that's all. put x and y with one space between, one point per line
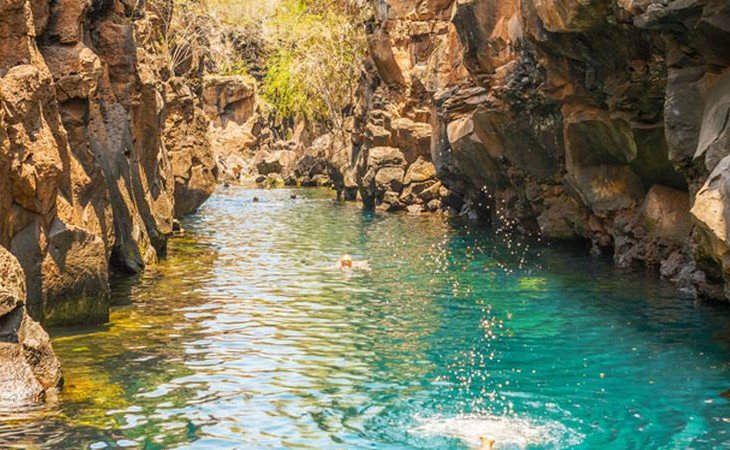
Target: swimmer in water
486 443
346 264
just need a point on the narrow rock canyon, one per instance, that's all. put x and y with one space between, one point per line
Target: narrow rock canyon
598 121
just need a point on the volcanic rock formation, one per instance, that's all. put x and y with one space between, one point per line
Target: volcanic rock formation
604 120
100 147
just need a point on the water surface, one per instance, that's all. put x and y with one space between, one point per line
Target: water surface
247 338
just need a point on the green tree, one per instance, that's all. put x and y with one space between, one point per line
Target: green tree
314 69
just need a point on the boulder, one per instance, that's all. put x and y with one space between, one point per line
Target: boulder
29 370
412 138
390 202
380 157
276 162
561 218
711 212
389 179
606 188
421 170
665 213
229 99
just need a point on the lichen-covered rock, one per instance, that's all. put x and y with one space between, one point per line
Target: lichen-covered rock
29 370
277 162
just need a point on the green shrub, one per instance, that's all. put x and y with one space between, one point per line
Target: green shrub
314 69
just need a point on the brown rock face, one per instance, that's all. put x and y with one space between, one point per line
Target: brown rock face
29 370
186 138
229 99
603 120
94 160
712 214
230 105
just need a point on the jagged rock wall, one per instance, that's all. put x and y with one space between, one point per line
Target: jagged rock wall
94 164
185 135
230 104
29 370
253 146
604 120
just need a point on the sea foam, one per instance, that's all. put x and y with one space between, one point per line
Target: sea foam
508 432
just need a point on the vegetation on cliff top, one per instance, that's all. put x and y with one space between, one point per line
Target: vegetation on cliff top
315 64
305 54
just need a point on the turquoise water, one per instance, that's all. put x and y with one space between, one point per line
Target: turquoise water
246 337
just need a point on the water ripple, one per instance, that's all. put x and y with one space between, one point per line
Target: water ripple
247 338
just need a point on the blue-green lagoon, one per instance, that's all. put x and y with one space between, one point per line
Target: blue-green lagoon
246 337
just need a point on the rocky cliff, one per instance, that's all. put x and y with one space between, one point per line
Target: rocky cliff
599 120
101 146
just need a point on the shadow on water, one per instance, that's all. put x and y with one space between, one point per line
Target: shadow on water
246 337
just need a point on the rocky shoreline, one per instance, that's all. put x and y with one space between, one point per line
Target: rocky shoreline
101 148
603 121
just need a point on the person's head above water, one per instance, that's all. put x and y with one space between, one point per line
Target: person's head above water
346 261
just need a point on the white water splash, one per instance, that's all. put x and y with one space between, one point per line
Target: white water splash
508 433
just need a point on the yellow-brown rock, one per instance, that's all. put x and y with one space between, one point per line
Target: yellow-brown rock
90 164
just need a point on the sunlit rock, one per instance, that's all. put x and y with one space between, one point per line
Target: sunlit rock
185 136
712 216
421 170
384 58
566 16
29 370
228 99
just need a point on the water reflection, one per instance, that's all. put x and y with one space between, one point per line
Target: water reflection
245 338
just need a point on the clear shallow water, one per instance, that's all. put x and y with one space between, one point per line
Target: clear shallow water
246 338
